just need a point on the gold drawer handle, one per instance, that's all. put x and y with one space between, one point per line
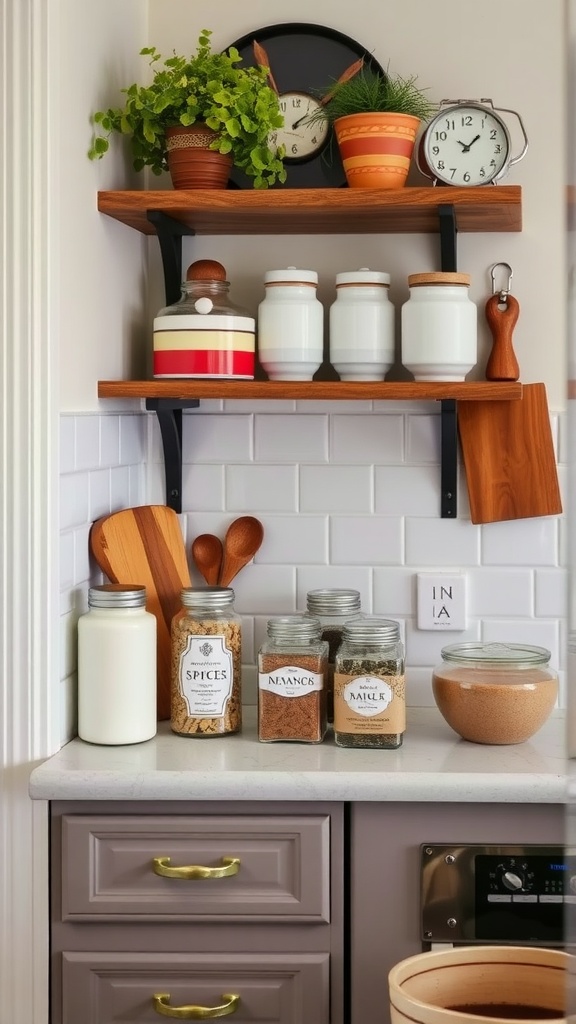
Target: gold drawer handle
230 866
161 1001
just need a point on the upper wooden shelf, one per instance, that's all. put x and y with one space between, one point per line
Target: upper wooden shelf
183 390
319 211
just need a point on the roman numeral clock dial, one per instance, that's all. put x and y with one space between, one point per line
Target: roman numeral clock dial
468 143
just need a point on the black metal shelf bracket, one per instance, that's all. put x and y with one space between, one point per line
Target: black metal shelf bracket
170 232
169 413
448 458
448 237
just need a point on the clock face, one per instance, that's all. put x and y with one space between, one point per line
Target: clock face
304 60
466 145
301 137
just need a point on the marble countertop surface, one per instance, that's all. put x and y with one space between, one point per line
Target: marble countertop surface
433 764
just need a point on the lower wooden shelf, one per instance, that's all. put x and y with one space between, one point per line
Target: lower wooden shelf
183 390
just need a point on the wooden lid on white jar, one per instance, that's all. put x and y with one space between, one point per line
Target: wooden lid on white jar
438 277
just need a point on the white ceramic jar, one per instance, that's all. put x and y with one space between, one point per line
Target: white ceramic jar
439 327
290 325
362 325
116 667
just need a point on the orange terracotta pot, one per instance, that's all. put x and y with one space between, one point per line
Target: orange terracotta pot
191 163
376 149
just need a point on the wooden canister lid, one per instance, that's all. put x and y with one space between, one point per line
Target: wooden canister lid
206 270
438 277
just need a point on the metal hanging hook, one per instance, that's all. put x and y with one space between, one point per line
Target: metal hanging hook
504 292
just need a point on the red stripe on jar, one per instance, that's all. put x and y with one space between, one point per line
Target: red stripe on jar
204 362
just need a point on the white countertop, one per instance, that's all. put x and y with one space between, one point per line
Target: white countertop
433 764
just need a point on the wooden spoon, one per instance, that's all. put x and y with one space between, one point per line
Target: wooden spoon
207 553
243 538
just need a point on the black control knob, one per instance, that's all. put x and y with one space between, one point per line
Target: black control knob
512 881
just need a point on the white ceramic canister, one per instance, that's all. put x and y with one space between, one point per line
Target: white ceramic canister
290 325
362 325
439 327
117 666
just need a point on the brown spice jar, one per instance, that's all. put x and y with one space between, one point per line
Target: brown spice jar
292 667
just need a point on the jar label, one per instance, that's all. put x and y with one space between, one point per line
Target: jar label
290 681
205 675
369 704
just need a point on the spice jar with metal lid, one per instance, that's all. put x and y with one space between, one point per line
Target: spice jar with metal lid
439 327
495 692
204 334
292 665
332 607
362 325
117 666
206 664
290 325
369 701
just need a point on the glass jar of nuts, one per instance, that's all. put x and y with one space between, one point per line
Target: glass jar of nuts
206 664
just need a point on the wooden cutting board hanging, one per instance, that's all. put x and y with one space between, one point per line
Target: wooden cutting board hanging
507 447
145 545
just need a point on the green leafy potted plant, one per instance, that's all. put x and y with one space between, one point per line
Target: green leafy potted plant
205 102
376 108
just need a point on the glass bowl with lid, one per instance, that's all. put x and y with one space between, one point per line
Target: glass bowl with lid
495 693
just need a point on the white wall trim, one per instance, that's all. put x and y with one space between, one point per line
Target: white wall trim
28 492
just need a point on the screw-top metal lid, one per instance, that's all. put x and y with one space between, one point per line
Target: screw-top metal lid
294 627
117 595
207 597
371 629
335 600
363 276
291 275
496 654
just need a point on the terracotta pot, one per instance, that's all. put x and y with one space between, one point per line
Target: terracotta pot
191 163
479 985
376 149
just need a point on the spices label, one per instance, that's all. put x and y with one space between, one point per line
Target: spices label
369 704
206 675
290 681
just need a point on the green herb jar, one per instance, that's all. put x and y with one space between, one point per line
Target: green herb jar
369 701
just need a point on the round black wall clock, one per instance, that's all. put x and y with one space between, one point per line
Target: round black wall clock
303 60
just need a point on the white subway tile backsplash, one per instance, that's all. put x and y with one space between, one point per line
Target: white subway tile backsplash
132 439
423 646
67 444
221 439
406 490
82 557
367 440
68 643
119 488
291 438
419 687
394 592
137 487
442 542
99 493
109 441
521 542
423 439
248 652
335 489
265 590
366 540
542 633
203 487
294 540
508 592
551 593
74 499
66 559
262 488
87 442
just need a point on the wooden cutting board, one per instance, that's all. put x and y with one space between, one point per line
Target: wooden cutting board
509 457
145 545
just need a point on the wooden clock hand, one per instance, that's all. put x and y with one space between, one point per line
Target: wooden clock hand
344 77
262 59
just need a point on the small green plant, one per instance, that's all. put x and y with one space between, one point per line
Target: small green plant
369 92
207 87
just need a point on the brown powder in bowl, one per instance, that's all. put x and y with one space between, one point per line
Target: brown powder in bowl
490 707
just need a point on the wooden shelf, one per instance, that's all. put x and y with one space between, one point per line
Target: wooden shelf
319 211
184 390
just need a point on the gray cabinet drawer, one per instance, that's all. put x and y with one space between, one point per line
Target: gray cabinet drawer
119 987
108 873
